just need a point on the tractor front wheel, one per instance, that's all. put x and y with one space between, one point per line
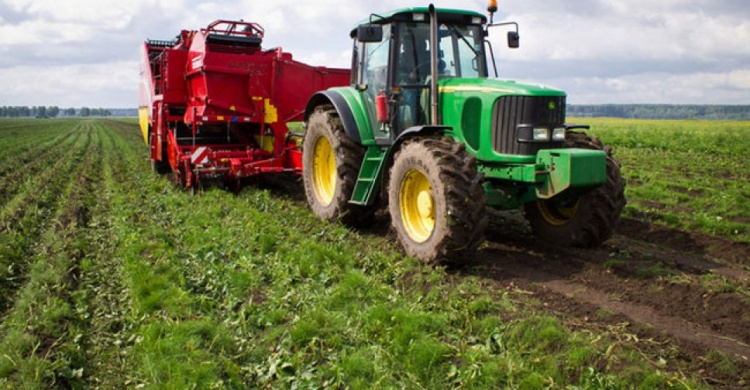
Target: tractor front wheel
436 200
331 163
587 220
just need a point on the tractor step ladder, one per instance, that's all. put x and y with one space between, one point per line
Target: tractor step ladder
369 176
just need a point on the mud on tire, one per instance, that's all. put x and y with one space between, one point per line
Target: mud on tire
328 196
456 226
589 220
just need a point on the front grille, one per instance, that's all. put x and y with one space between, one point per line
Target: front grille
510 111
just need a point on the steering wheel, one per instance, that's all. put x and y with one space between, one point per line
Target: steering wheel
421 69
424 69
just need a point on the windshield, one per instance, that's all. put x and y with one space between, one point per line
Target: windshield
460 54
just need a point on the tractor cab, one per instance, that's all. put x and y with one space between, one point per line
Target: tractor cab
424 129
392 58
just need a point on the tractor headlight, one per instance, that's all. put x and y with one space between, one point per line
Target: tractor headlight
540 134
558 134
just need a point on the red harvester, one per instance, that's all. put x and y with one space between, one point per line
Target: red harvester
214 105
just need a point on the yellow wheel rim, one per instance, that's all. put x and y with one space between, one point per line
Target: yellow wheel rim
417 206
555 214
324 171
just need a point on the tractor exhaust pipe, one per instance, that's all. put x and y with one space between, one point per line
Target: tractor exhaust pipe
435 118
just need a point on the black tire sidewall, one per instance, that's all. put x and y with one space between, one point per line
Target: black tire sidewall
410 158
459 199
317 129
598 211
569 232
348 155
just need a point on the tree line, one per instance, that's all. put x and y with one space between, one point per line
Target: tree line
50 112
640 111
661 111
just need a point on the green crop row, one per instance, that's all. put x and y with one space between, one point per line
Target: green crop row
137 284
20 136
43 333
686 174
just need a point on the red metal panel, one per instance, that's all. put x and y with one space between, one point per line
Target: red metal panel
220 78
296 82
175 87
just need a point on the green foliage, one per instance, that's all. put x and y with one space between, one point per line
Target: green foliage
49 112
661 111
112 277
687 174
193 353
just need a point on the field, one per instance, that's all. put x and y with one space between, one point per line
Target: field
111 277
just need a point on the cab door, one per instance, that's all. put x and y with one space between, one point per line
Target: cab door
373 78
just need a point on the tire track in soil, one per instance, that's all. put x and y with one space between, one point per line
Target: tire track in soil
578 282
723 254
676 326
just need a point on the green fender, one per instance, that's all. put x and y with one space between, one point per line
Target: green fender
352 112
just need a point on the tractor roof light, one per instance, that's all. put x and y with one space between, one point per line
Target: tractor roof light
492 6
418 17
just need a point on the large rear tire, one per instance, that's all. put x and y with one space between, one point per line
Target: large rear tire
331 162
436 200
588 220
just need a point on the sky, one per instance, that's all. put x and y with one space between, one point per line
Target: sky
73 53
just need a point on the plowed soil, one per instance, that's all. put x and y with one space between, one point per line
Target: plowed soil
681 291
679 294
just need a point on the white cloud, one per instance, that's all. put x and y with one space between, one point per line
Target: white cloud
708 88
95 85
80 52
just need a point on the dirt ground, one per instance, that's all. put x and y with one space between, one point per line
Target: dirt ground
677 294
674 295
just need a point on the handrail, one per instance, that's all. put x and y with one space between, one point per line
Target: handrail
236 28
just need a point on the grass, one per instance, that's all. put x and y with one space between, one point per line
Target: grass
688 174
133 283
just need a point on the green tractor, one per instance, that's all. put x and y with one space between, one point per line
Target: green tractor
423 129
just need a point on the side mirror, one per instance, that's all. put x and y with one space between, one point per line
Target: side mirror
370 33
513 39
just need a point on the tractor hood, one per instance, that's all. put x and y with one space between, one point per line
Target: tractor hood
495 87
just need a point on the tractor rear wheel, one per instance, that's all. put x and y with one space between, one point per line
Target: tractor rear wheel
331 162
436 200
588 220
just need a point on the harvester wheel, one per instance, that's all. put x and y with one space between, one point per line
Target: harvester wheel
436 200
331 163
588 220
